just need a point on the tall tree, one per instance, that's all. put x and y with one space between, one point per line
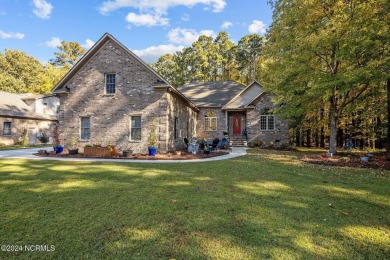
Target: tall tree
19 72
226 51
332 51
247 54
69 54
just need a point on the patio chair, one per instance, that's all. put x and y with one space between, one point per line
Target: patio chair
224 145
215 143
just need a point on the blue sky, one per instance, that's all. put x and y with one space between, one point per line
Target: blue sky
149 28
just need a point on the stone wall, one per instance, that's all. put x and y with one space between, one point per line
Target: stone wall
110 113
186 122
34 127
221 124
253 124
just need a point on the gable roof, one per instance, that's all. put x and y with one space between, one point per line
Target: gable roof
59 88
12 105
245 97
211 94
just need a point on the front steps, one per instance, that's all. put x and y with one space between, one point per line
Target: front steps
238 140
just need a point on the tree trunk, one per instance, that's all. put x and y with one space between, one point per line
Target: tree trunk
322 140
388 115
308 137
332 129
297 136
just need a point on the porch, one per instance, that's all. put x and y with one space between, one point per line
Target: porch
236 125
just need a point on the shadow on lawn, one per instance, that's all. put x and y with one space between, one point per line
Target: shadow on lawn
258 206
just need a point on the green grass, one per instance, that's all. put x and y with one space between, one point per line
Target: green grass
263 205
16 147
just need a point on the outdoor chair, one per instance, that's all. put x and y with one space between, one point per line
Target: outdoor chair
215 143
224 145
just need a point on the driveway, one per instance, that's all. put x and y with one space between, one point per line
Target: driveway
29 154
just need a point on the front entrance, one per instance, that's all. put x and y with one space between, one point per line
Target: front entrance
237 124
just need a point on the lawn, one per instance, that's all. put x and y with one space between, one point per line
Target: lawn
16 147
266 204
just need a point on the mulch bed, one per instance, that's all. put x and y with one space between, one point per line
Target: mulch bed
182 156
347 161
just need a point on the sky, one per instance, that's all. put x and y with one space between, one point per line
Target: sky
149 28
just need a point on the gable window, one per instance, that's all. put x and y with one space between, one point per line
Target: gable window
135 131
210 121
175 130
110 83
7 128
267 122
85 128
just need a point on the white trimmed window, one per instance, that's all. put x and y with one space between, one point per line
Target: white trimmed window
110 83
267 122
85 128
7 128
210 121
135 128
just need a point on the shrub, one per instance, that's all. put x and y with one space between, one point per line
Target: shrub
44 138
24 138
258 143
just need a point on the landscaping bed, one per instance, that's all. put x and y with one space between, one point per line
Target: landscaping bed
182 155
350 160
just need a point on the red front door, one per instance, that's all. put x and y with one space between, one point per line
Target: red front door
236 125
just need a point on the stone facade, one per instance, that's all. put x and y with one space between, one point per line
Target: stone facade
110 114
221 124
34 128
254 131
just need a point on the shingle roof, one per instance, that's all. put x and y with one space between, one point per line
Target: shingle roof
12 105
211 94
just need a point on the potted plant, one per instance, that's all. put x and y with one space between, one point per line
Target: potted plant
206 149
73 145
152 139
58 148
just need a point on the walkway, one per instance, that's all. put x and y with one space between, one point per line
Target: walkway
29 154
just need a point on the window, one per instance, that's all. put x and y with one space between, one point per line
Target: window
175 132
85 128
210 121
7 128
267 122
110 83
135 134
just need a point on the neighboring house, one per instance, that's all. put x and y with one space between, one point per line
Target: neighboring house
36 113
111 96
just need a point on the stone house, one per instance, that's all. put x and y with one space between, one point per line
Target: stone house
36 113
111 96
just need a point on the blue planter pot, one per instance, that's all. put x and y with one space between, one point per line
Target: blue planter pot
59 149
152 151
206 152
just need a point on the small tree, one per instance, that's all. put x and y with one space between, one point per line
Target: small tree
24 138
152 139
56 135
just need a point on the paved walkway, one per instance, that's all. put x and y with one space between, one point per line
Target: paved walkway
29 154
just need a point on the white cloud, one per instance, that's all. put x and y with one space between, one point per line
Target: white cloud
152 53
159 6
257 27
88 44
187 36
226 25
11 35
147 20
185 17
42 9
54 42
